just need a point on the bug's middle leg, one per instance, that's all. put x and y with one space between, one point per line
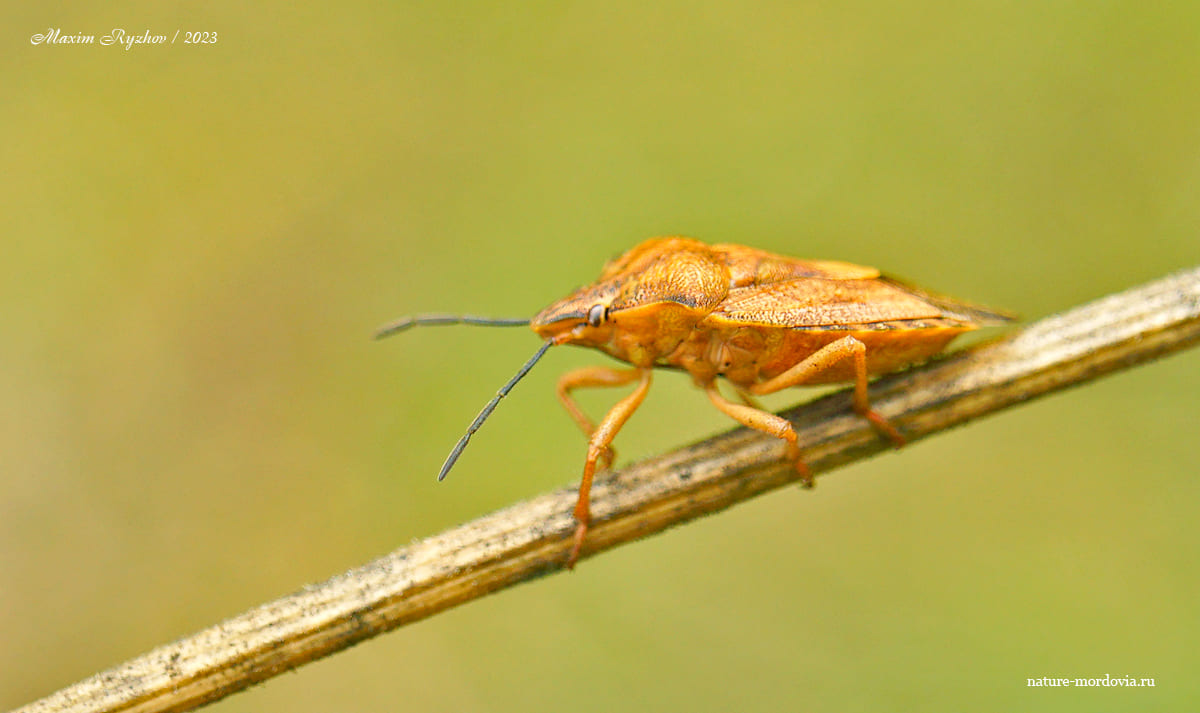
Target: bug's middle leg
598 443
823 359
764 421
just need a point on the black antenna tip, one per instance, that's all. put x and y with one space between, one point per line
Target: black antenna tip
392 328
453 457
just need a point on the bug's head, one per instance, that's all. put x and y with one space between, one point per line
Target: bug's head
644 304
582 317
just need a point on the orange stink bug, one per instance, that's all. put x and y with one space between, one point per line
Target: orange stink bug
762 321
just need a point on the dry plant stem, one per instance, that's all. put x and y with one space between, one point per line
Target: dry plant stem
531 539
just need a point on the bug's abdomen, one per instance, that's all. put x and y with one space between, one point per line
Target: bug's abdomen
750 355
890 347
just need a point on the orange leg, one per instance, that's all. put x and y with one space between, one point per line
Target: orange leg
590 377
598 443
748 399
763 421
823 359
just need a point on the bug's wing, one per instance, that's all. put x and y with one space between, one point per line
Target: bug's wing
815 302
955 308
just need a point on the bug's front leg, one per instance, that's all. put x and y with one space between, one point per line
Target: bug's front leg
598 443
591 377
764 421
823 359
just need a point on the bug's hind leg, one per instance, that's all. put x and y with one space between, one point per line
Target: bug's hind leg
598 444
763 421
823 359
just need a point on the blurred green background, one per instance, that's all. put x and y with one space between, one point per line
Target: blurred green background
199 240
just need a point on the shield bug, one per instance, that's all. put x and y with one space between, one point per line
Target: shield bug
763 322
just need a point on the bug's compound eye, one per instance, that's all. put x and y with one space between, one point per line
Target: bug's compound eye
596 315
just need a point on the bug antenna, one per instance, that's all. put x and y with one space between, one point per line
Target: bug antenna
438 319
491 406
